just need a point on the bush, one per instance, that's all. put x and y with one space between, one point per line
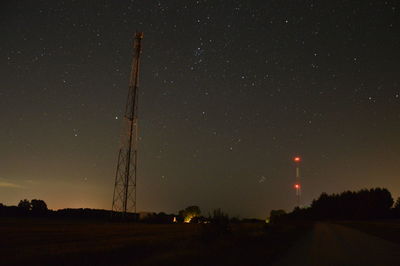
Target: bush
25 205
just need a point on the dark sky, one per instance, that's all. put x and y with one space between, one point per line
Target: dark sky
230 91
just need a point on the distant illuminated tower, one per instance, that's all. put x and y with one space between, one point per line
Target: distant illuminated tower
124 196
297 184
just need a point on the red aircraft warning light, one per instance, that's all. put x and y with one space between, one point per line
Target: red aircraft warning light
296 186
297 159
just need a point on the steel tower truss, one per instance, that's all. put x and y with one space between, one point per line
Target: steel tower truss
124 196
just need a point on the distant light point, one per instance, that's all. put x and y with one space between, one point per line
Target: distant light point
297 159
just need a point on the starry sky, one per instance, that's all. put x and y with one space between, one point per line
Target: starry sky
230 91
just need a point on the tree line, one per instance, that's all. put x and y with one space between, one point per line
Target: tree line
191 214
375 203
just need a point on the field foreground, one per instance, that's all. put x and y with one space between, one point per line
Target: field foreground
386 229
60 242
334 244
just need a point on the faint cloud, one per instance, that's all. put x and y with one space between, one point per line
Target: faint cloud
7 184
10 185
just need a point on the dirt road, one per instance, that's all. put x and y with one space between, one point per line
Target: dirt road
331 245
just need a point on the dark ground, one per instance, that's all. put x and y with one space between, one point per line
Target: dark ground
337 245
30 241
386 229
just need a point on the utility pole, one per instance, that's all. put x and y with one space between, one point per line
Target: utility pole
124 196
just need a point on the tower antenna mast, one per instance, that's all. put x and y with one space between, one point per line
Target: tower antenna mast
124 196
297 184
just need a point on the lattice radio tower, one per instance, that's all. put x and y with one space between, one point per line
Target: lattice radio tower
124 196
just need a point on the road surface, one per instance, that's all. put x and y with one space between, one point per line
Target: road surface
332 244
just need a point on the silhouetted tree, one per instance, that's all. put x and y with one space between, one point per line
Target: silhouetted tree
397 204
24 205
218 216
189 213
276 215
364 204
396 208
218 224
38 206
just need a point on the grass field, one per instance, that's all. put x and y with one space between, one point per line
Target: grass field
386 229
61 242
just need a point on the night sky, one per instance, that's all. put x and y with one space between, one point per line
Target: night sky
230 91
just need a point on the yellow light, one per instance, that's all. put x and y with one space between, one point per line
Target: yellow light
188 219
